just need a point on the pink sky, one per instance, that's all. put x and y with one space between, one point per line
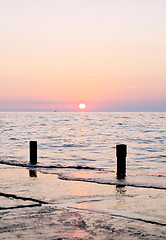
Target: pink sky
109 54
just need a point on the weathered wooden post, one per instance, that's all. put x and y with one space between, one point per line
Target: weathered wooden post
33 152
121 153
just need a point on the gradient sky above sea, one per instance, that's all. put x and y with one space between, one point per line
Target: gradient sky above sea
109 54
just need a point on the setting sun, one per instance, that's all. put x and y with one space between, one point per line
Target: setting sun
82 106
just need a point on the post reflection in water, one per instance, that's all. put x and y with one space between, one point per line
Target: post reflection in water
121 200
33 173
120 189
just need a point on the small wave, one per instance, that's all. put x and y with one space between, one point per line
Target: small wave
148 131
67 146
27 165
158 175
14 139
7 130
102 180
72 145
88 159
119 183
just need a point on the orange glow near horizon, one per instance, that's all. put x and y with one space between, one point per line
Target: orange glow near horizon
82 60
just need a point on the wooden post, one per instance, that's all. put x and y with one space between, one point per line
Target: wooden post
121 153
33 152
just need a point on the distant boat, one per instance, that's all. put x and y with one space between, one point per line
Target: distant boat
55 110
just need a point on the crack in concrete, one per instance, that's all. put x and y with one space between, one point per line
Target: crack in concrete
21 206
22 198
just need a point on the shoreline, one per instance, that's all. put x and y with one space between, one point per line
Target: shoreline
45 207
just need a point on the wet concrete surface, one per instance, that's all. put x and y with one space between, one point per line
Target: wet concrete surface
41 206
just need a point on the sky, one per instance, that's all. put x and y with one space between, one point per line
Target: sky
108 54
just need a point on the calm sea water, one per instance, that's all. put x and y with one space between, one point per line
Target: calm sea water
89 139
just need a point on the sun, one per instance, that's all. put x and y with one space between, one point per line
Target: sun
82 105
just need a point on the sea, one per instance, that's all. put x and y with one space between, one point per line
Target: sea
68 141
73 191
